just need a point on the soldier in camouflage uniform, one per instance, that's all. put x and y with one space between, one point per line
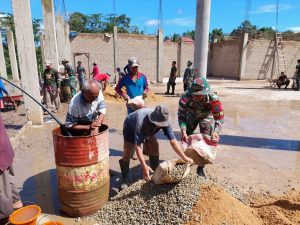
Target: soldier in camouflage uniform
51 86
69 72
200 106
297 76
188 76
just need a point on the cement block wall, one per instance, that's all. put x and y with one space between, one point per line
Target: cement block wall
170 53
260 55
144 47
226 59
223 57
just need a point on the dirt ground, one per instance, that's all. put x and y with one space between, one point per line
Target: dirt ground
254 180
218 206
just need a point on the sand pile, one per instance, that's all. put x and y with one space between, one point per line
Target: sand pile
216 206
110 95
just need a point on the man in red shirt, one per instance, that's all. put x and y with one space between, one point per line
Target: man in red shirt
103 79
96 70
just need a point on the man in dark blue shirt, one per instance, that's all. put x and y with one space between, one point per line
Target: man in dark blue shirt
140 125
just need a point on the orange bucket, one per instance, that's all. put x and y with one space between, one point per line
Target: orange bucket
25 216
53 223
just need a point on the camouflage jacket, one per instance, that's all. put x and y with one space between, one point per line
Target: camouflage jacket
189 73
190 111
51 79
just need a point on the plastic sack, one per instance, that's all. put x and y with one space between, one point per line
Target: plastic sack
162 173
136 103
201 149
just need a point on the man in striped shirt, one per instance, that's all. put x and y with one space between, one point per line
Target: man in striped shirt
86 110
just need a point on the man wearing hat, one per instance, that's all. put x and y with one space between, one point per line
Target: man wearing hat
138 126
135 82
188 76
199 106
69 72
51 86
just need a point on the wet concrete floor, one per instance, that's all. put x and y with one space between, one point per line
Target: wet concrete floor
259 149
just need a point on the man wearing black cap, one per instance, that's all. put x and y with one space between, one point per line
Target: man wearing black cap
138 126
69 73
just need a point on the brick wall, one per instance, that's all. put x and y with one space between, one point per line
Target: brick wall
260 56
170 53
101 51
226 59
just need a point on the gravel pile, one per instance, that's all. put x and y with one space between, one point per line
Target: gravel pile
147 203
178 171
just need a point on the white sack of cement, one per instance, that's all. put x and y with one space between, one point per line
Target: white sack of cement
136 103
170 171
201 149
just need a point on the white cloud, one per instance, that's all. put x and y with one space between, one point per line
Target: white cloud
180 11
152 23
184 21
294 29
271 8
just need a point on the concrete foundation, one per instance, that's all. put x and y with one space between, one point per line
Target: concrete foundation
27 58
12 55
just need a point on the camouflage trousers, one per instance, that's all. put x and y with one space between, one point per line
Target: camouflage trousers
73 85
206 125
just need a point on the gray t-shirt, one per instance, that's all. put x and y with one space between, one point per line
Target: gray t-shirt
137 127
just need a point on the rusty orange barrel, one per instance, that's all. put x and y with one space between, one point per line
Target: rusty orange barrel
82 164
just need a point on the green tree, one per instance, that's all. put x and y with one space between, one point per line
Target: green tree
94 23
78 22
190 34
216 34
246 26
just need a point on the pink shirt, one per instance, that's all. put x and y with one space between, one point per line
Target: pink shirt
95 71
101 77
6 150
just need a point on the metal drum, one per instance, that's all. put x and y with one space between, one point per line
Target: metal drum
66 90
82 164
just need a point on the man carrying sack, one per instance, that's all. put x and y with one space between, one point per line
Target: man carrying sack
137 127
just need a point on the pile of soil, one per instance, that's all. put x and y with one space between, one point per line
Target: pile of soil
283 209
216 206
110 95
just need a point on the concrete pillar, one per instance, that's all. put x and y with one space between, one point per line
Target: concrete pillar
180 63
61 38
160 46
50 32
12 55
68 52
201 37
42 43
3 71
116 52
243 57
27 58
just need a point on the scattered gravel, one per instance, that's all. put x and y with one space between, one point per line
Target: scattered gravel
147 203
178 171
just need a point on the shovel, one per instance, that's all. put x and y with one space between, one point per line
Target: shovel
63 129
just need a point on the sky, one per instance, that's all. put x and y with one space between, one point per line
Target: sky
179 15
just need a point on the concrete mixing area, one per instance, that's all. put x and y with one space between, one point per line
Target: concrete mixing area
258 158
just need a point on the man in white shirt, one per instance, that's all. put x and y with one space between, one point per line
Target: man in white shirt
86 110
